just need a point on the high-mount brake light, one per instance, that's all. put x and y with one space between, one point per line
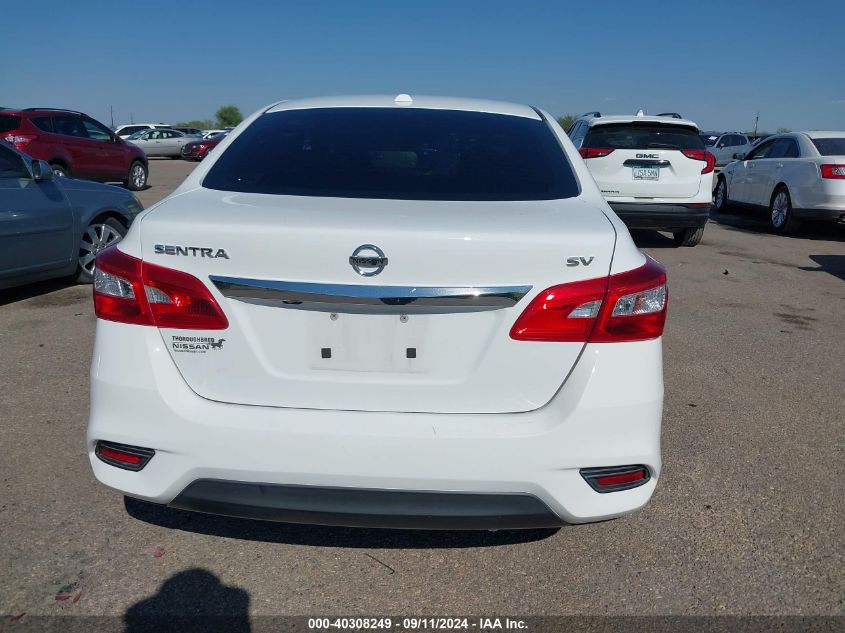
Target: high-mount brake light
702 154
629 306
595 152
128 290
836 172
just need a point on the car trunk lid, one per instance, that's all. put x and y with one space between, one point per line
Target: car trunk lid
428 333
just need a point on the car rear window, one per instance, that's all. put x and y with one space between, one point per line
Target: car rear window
643 136
9 122
830 146
405 154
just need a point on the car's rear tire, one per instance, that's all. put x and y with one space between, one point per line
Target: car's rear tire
99 234
60 170
721 203
781 216
688 237
136 179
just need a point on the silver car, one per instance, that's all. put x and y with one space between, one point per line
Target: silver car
161 142
723 146
53 227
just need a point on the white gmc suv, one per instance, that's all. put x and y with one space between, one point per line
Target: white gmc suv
409 312
653 170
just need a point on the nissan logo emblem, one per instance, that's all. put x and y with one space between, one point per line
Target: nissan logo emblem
368 260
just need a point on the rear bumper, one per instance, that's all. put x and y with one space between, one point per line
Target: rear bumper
660 216
318 505
448 470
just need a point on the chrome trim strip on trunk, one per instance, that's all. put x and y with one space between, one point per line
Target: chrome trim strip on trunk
369 299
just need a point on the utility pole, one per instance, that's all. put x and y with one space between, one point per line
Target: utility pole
757 118
111 111
131 118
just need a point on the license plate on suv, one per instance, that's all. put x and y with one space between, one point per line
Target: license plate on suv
646 173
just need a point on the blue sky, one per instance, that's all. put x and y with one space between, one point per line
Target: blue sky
715 62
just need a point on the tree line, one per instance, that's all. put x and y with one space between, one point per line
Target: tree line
226 116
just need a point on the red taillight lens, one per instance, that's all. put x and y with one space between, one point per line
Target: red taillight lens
701 154
128 290
118 291
123 456
181 301
836 172
629 306
615 478
635 306
21 140
595 152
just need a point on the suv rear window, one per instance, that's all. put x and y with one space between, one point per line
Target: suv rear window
9 122
404 154
830 146
643 136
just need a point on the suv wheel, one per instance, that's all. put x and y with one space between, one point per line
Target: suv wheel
782 218
137 178
720 196
688 237
98 235
60 170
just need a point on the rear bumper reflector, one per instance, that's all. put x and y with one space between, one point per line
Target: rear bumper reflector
369 299
123 456
615 478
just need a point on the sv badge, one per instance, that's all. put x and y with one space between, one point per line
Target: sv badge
579 261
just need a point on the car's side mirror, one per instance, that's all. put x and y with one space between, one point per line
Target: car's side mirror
41 170
739 156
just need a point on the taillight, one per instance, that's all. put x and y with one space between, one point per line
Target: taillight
836 172
629 306
128 290
702 154
21 140
595 152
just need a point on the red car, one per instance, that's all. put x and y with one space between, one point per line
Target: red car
75 145
196 150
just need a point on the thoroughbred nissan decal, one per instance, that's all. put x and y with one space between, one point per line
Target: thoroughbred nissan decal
196 344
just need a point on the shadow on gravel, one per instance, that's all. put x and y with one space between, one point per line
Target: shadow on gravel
28 291
750 221
192 601
323 536
832 264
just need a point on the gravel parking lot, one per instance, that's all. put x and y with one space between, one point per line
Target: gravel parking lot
747 518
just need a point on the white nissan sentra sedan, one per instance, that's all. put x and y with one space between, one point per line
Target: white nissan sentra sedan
377 311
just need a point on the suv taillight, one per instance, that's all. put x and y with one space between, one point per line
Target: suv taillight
128 290
20 140
836 172
629 306
702 154
595 152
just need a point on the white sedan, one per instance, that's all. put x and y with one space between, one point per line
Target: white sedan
397 312
796 176
161 142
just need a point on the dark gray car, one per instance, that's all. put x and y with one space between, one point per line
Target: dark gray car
52 227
